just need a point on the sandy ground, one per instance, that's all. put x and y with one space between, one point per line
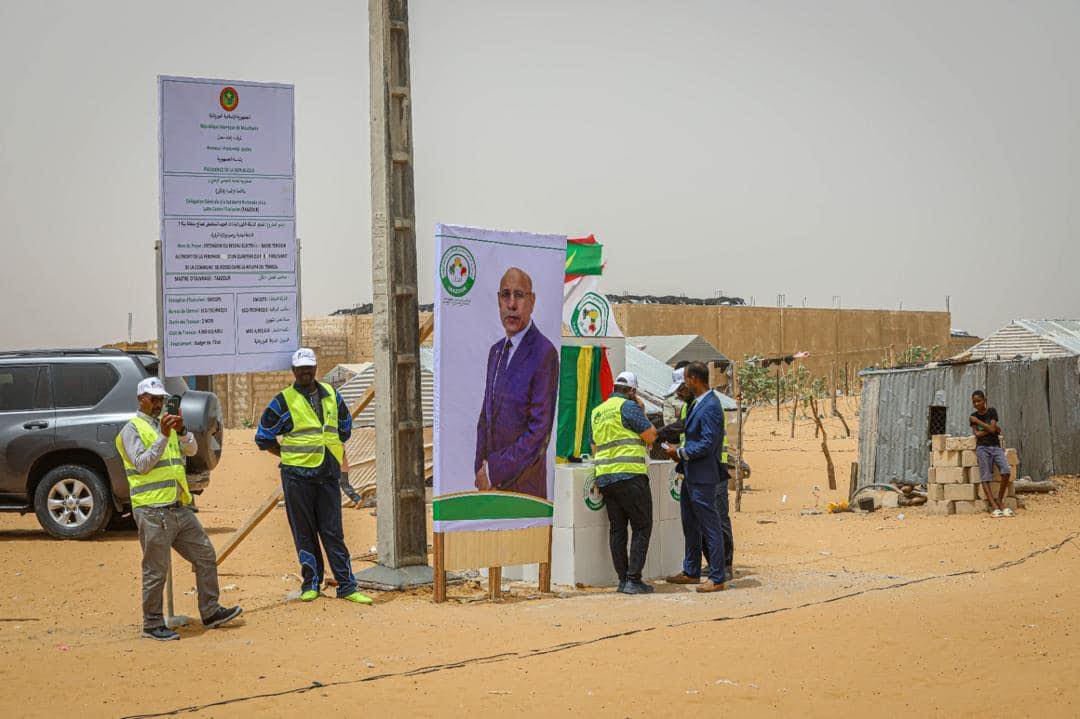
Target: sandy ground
830 615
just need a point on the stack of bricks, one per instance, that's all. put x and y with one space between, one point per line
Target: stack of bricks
953 485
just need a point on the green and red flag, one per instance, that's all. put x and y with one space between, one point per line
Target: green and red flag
584 256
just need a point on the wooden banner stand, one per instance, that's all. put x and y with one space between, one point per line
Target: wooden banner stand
492 549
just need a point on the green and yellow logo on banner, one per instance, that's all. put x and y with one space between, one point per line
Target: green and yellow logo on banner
457 271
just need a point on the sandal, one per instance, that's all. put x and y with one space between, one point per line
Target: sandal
997 513
1008 512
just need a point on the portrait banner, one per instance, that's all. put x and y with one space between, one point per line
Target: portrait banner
498 328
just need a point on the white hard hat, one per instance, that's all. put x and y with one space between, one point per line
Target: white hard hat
304 357
627 379
678 378
152 386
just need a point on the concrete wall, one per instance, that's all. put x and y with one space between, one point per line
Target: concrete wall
855 338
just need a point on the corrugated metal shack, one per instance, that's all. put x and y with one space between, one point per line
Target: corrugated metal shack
1038 401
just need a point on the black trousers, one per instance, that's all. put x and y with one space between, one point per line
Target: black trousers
725 523
314 510
629 501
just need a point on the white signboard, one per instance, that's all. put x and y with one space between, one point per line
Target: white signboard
497 335
229 268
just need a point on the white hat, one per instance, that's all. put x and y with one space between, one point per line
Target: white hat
627 379
152 386
304 357
678 378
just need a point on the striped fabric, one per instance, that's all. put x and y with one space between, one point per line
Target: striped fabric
585 381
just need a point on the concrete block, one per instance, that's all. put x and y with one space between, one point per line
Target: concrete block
931 475
979 506
945 459
971 475
672 546
577 502
967 458
665 494
966 492
1011 456
960 443
937 442
935 492
940 508
995 488
949 475
592 557
889 499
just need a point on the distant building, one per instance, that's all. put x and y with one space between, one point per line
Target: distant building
1028 339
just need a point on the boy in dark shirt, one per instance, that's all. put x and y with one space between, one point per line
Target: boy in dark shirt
988 452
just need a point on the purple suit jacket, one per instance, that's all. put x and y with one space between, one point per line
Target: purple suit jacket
517 415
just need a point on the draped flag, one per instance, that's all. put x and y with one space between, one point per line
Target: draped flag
585 381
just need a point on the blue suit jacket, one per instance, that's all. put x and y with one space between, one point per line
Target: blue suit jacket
704 441
514 427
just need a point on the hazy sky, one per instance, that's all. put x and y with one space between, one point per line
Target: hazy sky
883 152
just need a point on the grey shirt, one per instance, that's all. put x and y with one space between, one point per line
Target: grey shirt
144 458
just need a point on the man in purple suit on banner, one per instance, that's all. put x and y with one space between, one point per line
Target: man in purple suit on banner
520 395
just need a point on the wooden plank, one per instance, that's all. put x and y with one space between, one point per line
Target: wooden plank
494 582
502 548
249 524
545 568
440 568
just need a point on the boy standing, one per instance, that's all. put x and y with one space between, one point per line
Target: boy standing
988 452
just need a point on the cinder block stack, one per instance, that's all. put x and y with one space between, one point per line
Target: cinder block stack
953 485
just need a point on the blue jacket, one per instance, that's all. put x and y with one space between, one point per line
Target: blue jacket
704 441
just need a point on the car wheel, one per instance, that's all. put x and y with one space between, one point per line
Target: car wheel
72 502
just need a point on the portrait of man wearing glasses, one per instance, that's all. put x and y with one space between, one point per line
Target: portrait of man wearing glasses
520 397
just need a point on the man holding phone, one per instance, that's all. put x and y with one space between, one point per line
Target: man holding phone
153 452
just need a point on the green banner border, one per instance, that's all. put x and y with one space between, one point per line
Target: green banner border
489 505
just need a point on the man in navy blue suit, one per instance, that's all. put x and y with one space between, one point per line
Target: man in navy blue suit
520 396
699 457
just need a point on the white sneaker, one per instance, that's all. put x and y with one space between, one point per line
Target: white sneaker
1008 512
997 513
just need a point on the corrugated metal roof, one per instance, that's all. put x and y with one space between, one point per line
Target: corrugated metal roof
360 451
355 388
1031 338
671 349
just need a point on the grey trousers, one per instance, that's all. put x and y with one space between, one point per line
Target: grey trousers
160 531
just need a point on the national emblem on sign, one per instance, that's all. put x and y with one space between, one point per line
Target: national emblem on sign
229 99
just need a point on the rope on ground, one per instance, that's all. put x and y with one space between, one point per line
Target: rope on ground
531 653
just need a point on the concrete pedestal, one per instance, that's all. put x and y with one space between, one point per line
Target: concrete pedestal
580 553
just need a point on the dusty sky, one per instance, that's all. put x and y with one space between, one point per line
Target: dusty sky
883 152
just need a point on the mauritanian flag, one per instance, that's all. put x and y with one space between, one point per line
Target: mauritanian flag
584 256
584 382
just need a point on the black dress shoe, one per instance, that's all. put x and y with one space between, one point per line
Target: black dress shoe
637 587
729 573
622 585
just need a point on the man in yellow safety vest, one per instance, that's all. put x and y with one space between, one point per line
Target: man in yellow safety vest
153 452
313 424
621 435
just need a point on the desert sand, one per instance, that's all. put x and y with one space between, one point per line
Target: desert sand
830 615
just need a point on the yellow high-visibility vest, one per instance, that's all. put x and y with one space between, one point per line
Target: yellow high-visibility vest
306 444
166 482
618 449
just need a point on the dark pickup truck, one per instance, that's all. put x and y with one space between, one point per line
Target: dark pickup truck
60 412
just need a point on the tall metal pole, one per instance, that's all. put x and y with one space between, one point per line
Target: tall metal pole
399 422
